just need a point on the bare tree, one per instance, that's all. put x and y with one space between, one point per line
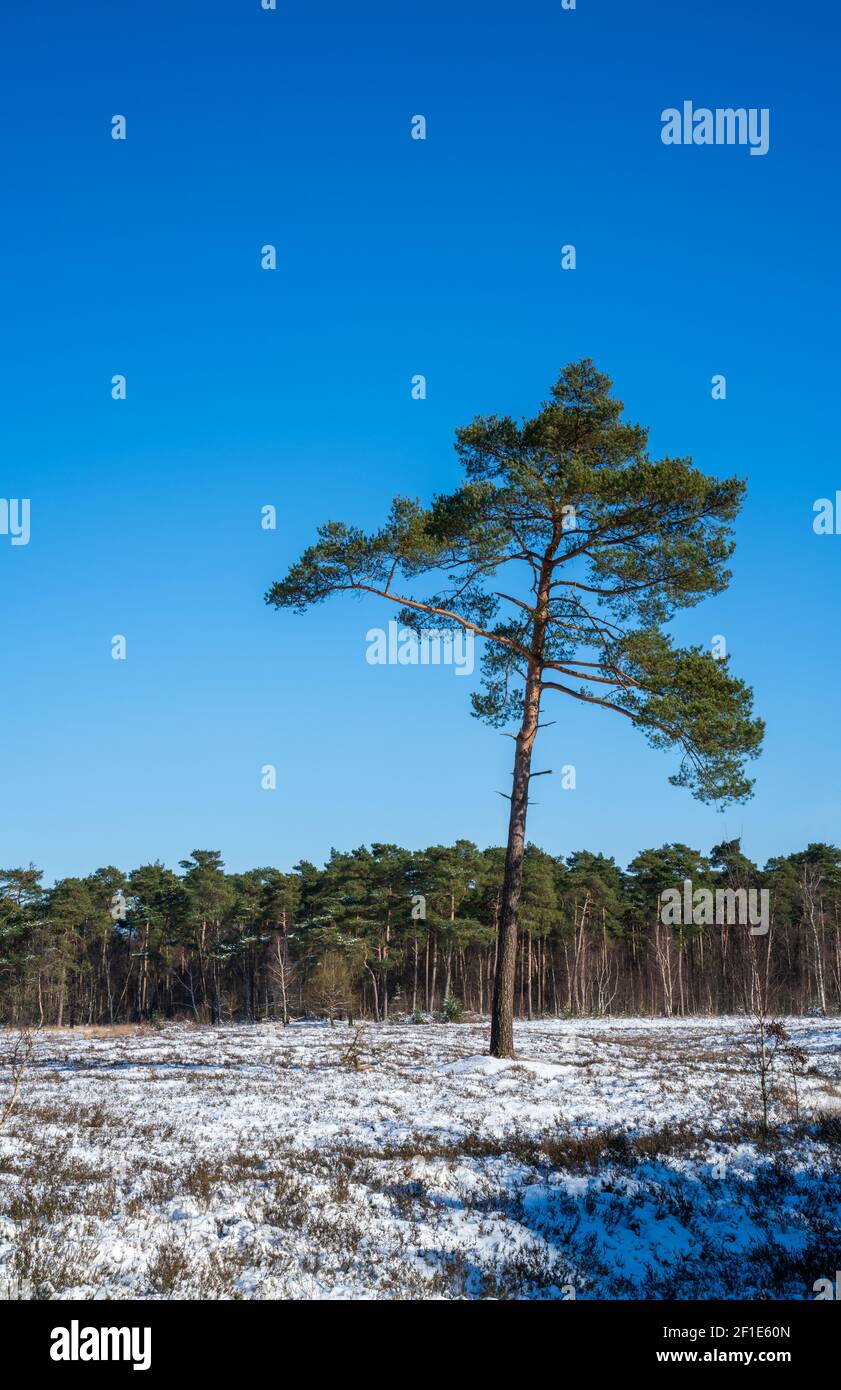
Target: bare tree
282 972
18 1061
330 985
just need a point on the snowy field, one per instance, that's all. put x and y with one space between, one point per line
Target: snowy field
613 1159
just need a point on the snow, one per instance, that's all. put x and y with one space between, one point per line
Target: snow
493 1066
610 1159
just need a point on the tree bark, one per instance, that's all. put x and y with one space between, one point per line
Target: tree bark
502 1009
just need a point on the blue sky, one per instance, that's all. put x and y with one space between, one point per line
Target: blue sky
292 388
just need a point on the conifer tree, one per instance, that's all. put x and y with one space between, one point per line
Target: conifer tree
567 549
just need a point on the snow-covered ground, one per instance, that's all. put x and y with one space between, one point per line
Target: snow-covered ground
614 1159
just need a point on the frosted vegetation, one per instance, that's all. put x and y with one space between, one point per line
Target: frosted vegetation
612 1159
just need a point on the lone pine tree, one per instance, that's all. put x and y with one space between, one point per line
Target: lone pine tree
567 550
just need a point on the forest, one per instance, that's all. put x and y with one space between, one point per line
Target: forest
383 932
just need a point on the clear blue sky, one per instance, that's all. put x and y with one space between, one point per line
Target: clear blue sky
248 387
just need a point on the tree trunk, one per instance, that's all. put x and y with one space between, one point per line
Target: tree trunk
415 977
61 990
502 1011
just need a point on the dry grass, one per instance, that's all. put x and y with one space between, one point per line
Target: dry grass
104 1031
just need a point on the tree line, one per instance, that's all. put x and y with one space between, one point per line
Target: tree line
384 932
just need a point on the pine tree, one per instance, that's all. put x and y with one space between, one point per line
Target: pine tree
567 550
